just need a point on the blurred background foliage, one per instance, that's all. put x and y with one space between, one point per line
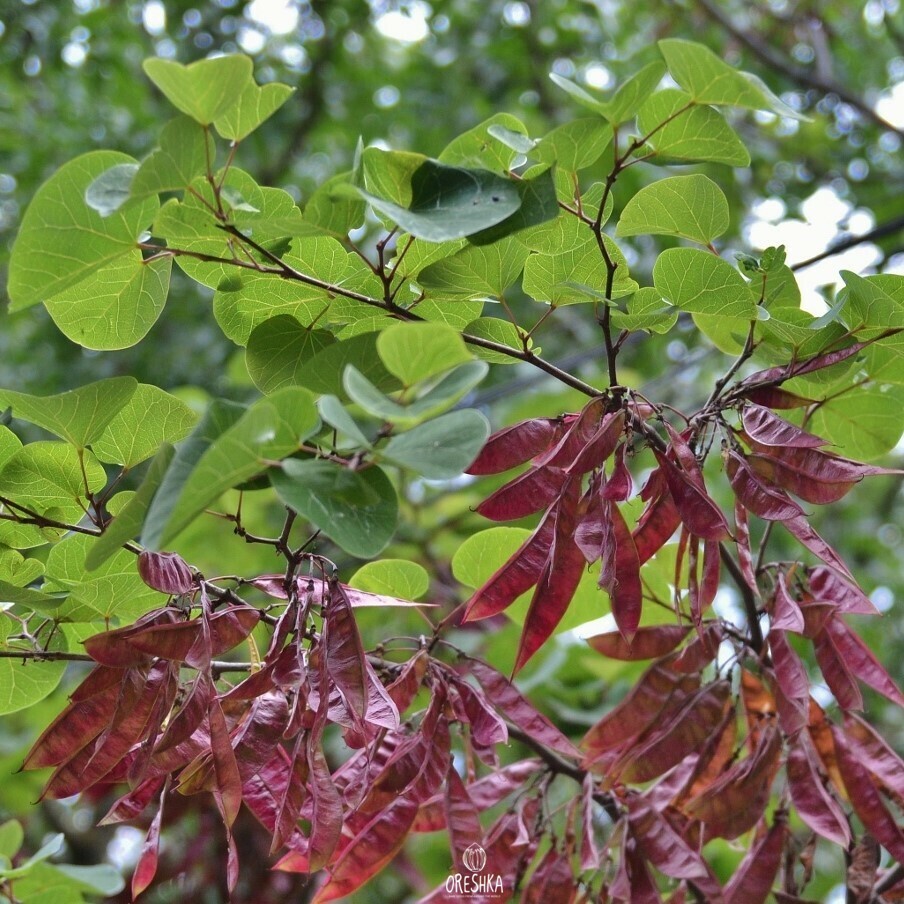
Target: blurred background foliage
413 75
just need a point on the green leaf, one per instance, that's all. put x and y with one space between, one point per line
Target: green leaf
79 416
333 412
864 423
566 232
439 397
245 299
497 330
97 879
361 391
579 94
417 351
47 850
127 524
45 884
323 375
680 130
629 97
219 417
24 683
255 105
185 151
420 254
51 474
111 189
539 204
646 311
11 838
484 553
871 305
15 569
449 202
191 226
442 448
270 429
710 80
62 241
244 303
114 589
457 315
278 217
692 207
475 149
149 419
280 350
702 283
356 509
517 141
204 90
575 145
31 599
116 306
392 577
477 271
564 277
333 212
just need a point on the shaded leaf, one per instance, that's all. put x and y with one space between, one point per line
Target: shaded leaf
670 740
667 850
357 509
448 202
814 802
865 799
441 448
792 686
146 868
736 801
504 694
754 877
648 642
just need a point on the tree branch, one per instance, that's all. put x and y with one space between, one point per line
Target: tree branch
747 598
288 272
562 767
219 666
892 227
754 42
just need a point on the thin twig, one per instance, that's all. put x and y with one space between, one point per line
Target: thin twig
218 665
892 227
747 598
563 767
754 42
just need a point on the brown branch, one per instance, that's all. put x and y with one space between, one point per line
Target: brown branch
747 598
892 227
892 877
563 767
285 271
754 42
218 665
